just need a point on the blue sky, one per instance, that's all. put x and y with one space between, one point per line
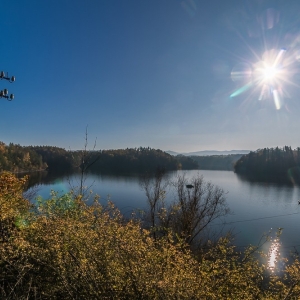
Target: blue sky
182 75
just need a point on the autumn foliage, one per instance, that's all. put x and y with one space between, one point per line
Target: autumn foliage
61 248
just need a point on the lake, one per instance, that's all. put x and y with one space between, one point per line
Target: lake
257 207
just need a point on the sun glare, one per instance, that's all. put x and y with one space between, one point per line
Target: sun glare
266 77
274 254
269 73
269 69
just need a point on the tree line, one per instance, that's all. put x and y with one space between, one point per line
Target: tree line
271 163
17 158
139 160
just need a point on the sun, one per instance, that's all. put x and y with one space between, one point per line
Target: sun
270 73
269 69
266 77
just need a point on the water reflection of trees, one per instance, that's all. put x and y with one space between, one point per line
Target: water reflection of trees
264 179
43 177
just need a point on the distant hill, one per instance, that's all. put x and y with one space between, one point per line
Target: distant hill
173 153
210 152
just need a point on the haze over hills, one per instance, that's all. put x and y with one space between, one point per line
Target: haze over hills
209 152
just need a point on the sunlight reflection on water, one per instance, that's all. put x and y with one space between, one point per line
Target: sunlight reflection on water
273 254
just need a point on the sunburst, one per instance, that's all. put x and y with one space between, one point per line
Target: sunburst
267 75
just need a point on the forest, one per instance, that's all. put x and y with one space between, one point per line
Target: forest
263 164
16 158
271 164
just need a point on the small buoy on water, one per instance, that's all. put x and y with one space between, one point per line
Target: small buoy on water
189 186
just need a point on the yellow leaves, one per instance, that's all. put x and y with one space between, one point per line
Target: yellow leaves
10 185
14 209
70 250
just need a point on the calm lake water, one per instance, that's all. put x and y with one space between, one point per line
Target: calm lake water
257 207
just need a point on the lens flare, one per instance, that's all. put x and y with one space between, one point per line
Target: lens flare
270 70
241 72
277 101
241 90
269 75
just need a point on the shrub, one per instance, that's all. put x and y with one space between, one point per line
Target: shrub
68 250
